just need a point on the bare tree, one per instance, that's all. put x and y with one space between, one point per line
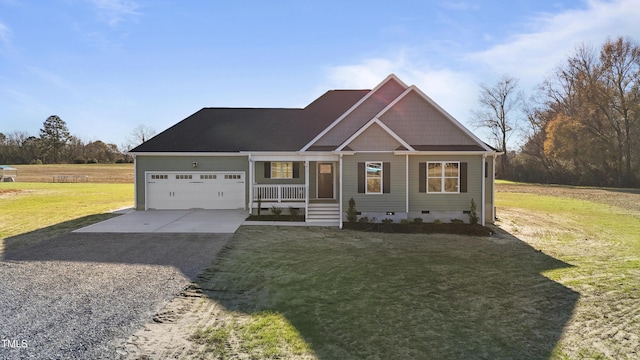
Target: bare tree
139 135
498 107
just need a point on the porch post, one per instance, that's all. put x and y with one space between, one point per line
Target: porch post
306 189
484 186
340 197
250 181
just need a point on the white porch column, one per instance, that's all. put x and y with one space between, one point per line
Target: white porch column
251 182
340 197
406 188
306 189
484 185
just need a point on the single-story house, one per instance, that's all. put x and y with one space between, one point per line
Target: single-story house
392 149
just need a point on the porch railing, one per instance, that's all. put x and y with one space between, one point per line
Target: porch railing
279 193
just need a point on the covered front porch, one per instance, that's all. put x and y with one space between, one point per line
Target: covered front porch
307 183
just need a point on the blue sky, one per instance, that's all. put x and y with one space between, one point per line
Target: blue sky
107 66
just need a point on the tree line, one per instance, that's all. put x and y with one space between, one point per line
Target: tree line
582 124
56 145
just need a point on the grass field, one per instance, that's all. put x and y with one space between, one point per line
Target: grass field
97 173
32 211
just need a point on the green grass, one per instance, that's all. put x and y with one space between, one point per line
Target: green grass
352 295
53 208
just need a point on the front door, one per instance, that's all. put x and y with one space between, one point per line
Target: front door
325 181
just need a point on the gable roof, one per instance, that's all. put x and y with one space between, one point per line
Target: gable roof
252 129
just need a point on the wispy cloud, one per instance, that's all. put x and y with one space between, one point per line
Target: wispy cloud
453 90
533 54
115 11
5 34
460 5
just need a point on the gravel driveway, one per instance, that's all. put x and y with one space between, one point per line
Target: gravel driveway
79 296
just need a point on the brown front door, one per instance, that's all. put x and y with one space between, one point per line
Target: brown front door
325 181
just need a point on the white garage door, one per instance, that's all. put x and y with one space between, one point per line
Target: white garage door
195 190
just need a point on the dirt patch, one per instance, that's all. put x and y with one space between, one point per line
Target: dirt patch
8 192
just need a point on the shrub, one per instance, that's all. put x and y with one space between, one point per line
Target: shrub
457 221
387 221
92 161
352 213
363 220
437 221
275 210
79 161
417 221
473 214
294 212
404 221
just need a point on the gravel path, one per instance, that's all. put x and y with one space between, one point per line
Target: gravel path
79 296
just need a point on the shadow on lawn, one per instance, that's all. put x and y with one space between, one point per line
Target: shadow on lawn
400 296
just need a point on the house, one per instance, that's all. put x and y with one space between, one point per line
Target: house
392 149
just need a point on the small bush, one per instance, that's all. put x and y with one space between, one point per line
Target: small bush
275 210
387 221
352 213
418 221
437 221
92 161
457 221
404 221
363 220
79 161
473 214
294 212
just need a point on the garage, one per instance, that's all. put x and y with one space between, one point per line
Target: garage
195 190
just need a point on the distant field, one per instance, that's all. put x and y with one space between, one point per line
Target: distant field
98 173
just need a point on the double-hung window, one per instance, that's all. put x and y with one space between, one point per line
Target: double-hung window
281 170
443 177
374 177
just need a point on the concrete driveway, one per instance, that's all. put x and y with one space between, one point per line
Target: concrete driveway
171 221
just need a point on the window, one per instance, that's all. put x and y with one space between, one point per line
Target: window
184 177
374 177
443 177
232 177
208 177
281 170
159 177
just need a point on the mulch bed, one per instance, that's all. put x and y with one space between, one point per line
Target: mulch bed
275 218
428 228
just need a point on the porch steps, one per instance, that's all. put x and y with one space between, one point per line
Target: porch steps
323 212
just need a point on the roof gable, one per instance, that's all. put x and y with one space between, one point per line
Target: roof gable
359 114
374 136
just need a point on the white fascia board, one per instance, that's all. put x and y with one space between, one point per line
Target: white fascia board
435 153
190 153
294 156
366 126
451 118
351 109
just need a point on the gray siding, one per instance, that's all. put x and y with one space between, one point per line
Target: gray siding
375 138
418 122
185 163
393 201
446 203
360 116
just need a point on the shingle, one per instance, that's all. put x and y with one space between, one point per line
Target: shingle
253 129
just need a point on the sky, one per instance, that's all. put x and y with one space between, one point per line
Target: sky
108 66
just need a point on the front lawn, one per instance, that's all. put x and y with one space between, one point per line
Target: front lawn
350 294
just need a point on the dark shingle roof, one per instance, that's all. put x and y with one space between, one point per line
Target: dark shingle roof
253 129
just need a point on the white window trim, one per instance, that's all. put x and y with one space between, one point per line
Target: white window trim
442 177
366 177
279 170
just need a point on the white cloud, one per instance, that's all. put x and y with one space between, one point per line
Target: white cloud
115 11
454 91
5 34
531 55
